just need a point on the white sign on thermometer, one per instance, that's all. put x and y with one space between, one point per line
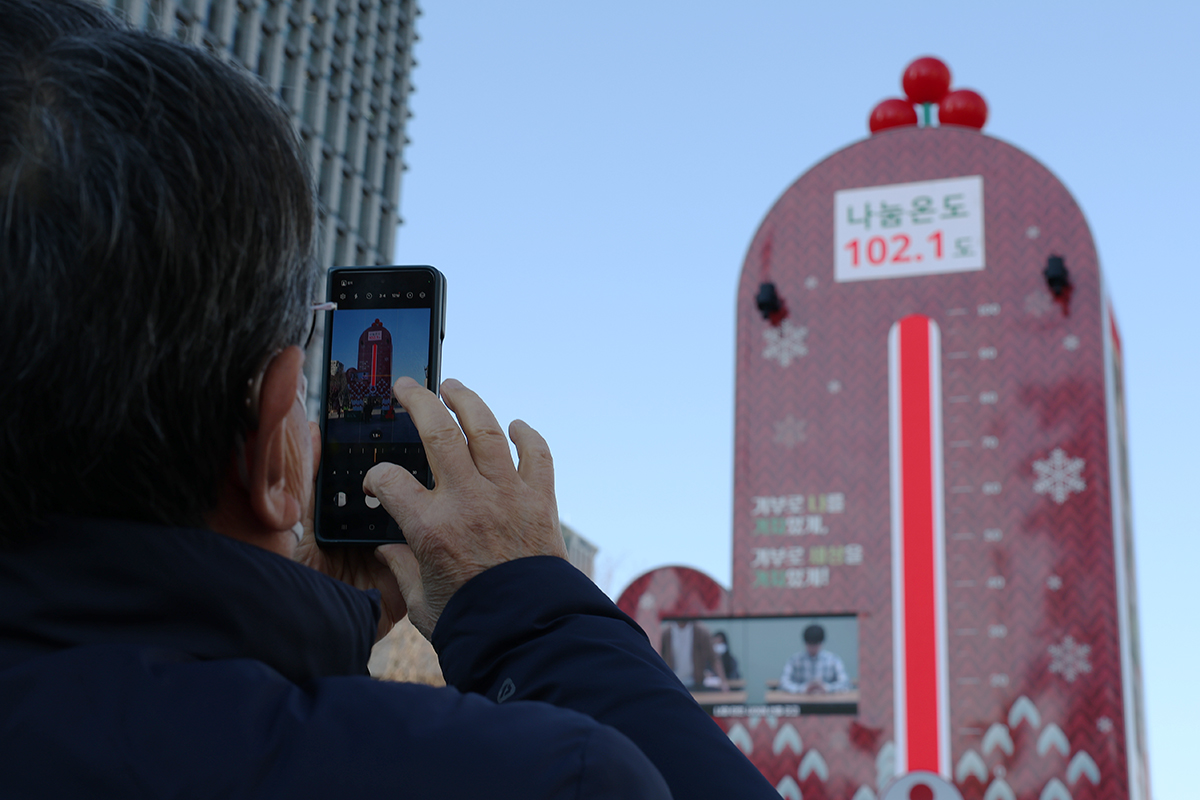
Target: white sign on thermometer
907 229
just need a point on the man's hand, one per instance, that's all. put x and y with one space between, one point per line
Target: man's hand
483 512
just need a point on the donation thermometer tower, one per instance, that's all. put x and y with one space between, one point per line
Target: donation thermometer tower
930 472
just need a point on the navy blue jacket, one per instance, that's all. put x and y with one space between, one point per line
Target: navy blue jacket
138 661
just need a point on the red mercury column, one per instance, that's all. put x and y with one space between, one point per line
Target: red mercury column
918 547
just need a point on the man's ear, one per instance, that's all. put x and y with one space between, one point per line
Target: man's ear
274 447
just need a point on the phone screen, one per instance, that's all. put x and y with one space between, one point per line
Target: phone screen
388 324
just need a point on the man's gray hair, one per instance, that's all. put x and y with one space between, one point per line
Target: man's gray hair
158 227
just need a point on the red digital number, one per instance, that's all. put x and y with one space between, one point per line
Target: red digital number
876 259
936 238
877 249
852 246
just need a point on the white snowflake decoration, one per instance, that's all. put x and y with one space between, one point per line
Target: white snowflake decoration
834 387
811 282
1038 304
785 343
1070 659
1104 725
1071 342
1033 231
790 432
1059 476
1054 583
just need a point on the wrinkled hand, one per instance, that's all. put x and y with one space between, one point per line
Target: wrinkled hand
356 566
483 512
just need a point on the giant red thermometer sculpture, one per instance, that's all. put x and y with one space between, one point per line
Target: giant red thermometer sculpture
929 465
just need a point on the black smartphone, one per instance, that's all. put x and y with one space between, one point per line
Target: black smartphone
389 322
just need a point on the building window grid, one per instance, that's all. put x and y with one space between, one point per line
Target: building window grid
341 68
294 83
271 61
247 34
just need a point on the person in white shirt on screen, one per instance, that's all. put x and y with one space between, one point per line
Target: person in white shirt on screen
814 670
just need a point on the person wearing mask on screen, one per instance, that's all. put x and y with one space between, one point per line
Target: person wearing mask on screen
721 648
687 647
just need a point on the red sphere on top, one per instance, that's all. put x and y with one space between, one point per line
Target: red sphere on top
963 107
892 113
926 80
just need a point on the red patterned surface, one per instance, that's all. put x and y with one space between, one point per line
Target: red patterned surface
1056 560
672 592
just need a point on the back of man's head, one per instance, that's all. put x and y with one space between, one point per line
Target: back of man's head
157 221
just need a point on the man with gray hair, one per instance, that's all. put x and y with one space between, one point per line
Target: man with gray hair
167 625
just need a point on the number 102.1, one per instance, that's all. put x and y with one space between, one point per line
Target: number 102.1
877 250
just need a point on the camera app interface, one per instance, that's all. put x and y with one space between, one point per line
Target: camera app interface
370 347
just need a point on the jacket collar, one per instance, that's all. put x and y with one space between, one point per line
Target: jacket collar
82 582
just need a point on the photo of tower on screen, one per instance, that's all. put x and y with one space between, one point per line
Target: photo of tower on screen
370 349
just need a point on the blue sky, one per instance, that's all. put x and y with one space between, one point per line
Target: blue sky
589 176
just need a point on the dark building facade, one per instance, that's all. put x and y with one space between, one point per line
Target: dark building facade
342 67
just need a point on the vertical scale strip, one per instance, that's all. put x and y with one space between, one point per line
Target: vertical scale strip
918 547
1131 690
